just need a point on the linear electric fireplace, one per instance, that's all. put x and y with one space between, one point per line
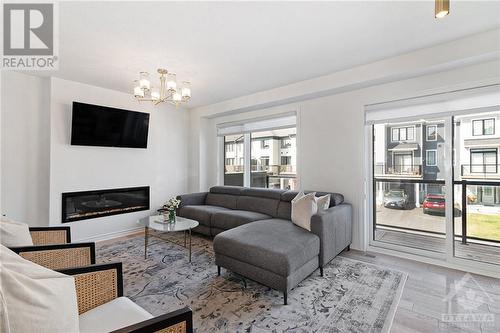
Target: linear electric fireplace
91 204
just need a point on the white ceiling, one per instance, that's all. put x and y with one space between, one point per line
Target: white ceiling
230 49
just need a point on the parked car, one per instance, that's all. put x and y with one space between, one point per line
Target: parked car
434 203
396 199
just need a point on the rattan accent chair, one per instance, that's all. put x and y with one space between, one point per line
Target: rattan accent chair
99 284
52 248
50 235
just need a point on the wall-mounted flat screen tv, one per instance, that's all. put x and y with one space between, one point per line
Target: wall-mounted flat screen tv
94 125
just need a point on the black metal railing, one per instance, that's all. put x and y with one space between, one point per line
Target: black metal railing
465 200
234 168
397 169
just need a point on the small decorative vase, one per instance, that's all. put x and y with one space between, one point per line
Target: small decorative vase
171 216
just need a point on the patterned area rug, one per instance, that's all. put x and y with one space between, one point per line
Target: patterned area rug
351 297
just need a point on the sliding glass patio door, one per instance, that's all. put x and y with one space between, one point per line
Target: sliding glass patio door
435 186
409 184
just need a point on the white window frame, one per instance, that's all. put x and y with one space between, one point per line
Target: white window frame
482 120
399 133
427 157
447 259
427 133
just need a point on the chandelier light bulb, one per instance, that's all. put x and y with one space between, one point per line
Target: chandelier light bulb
144 81
155 94
138 92
186 90
171 82
176 97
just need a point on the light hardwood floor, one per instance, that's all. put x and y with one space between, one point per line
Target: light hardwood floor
422 303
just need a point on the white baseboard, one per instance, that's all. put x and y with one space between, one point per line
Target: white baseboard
110 235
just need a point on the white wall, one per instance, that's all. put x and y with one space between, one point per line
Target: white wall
39 164
25 147
162 166
330 134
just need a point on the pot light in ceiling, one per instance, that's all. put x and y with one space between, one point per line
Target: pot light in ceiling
442 8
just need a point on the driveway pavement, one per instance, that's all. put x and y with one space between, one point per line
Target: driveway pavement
412 218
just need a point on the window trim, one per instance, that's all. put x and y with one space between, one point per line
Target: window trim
283 145
427 127
398 128
287 157
482 151
427 157
483 120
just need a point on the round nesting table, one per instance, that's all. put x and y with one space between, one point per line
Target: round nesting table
158 223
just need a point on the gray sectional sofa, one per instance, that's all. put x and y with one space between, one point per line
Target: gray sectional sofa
255 238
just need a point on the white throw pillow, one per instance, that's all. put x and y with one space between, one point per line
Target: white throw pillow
13 233
323 202
303 207
36 299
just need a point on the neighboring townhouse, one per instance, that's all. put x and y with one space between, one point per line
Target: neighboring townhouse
272 164
410 152
478 141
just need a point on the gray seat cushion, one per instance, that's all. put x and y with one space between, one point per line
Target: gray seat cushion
275 245
233 218
202 214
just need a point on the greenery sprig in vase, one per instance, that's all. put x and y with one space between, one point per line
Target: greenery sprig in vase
171 205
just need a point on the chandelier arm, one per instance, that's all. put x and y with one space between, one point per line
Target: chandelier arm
162 86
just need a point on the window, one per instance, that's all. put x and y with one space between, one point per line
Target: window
264 161
436 211
431 158
233 160
483 127
483 160
269 168
286 143
404 177
431 132
395 134
286 160
403 134
252 151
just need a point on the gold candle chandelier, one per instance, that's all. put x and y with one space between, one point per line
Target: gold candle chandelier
168 90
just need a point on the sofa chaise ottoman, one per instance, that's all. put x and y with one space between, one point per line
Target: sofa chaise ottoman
273 252
255 237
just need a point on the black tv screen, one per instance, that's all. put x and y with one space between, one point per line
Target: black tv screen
95 125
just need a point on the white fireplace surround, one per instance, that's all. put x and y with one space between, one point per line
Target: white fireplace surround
43 165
